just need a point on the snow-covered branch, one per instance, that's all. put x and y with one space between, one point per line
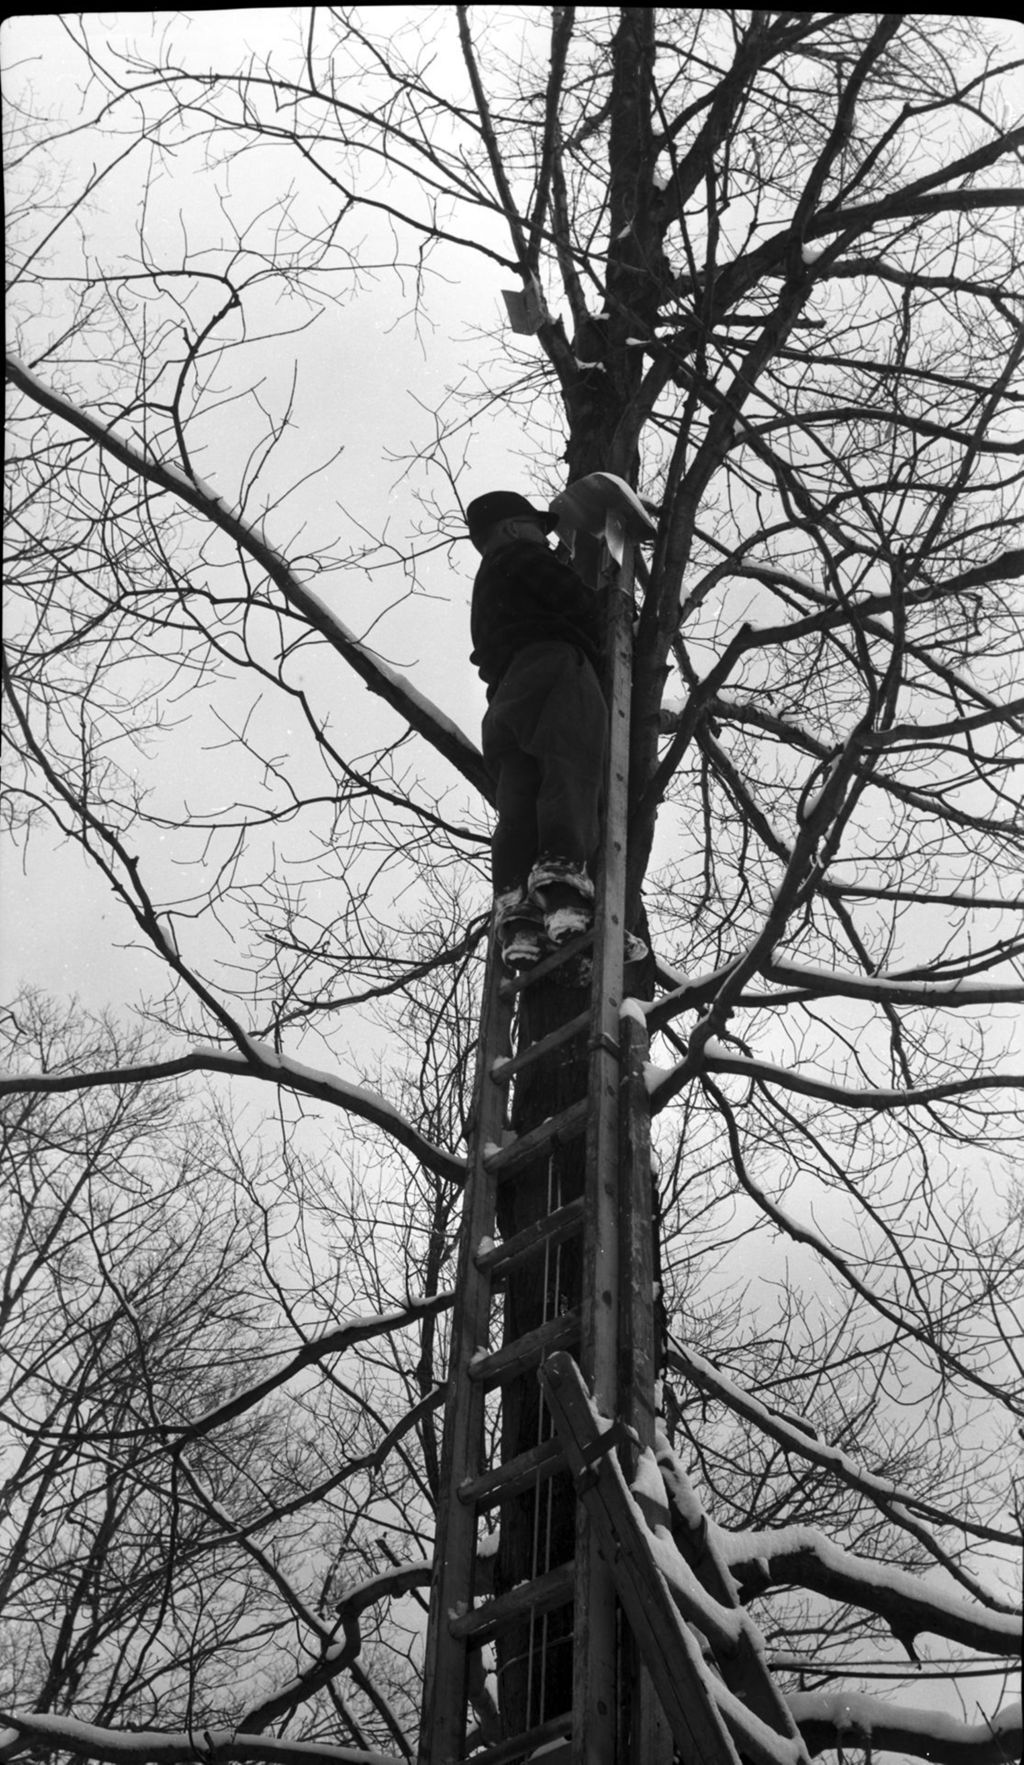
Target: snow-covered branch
24 1731
331 1342
339 1655
801 1556
806 980
895 1313
664 1083
886 989
828 1720
895 1502
259 1061
398 692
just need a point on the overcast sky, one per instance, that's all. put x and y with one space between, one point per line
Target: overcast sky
369 373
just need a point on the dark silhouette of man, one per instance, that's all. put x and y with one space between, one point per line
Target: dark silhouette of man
536 633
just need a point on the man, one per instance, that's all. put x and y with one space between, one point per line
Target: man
536 634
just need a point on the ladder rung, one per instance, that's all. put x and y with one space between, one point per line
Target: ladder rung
506 1067
506 1751
531 1599
553 1229
550 965
516 1358
523 1472
567 1125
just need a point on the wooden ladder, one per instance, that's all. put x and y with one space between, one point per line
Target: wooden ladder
611 1331
640 1688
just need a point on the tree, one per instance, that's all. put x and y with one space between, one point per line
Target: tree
765 267
158 1513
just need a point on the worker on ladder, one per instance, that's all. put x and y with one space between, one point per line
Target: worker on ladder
536 630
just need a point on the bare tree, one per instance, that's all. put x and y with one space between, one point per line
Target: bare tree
767 267
159 1513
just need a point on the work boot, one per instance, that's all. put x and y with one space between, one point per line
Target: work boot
550 871
520 929
633 949
565 894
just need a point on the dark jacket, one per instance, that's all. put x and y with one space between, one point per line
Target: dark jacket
523 595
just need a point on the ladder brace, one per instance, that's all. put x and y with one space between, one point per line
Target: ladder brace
710 1724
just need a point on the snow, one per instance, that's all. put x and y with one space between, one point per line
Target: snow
888 982
687 983
485 1246
677 1484
162 1747
312 1075
846 1711
253 533
897 1502
750 1732
172 471
811 1085
260 1058
167 935
634 1010
400 682
34 381
487 1546
743 1547
647 1480
811 253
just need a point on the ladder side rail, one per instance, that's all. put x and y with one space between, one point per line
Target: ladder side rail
649 1740
665 1641
744 1670
443 1719
596 1653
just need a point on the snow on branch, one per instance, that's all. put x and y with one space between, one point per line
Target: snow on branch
886 989
23 1731
392 1584
398 692
898 1504
829 1720
663 1083
331 1342
802 1556
258 1060
689 993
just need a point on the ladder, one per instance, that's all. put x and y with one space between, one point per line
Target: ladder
633 1684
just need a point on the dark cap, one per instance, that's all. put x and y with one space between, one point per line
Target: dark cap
484 512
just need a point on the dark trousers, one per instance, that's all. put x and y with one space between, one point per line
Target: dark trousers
544 739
